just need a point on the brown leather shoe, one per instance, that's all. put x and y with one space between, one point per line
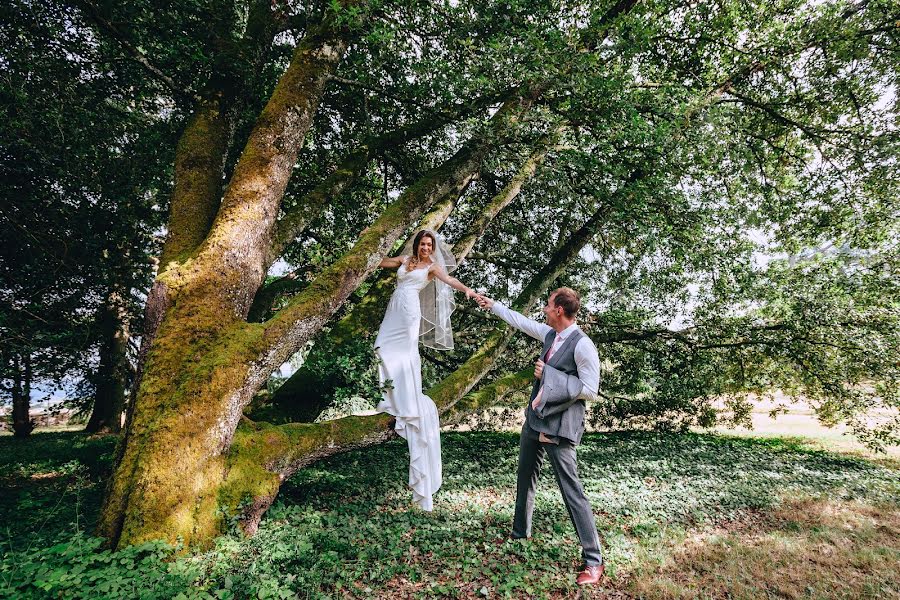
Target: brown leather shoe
590 575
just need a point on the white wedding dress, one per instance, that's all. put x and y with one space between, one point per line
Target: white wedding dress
397 345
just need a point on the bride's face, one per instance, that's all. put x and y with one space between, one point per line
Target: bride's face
426 247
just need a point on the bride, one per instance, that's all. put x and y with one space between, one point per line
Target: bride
420 307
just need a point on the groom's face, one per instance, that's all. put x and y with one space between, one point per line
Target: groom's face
552 312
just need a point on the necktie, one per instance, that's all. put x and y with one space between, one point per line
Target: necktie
552 348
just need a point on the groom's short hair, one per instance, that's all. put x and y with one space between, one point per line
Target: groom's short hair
568 300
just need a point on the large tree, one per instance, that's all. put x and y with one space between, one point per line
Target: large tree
620 147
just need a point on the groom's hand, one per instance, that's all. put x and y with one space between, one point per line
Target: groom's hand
538 369
484 302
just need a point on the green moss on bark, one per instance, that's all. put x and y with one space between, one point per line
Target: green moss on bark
199 160
488 395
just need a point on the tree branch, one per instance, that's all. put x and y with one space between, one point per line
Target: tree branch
302 395
310 310
383 92
298 217
509 192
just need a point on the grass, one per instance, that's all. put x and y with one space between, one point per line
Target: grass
680 516
51 485
804 548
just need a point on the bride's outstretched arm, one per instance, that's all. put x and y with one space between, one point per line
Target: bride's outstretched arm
391 262
453 282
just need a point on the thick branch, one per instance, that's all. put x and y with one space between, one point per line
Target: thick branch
234 254
501 200
488 395
199 161
303 396
268 295
298 217
310 310
204 145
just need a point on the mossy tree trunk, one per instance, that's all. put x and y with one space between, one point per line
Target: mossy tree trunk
202 152
197 370
206 360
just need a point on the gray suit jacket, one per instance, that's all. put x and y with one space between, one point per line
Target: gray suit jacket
561 412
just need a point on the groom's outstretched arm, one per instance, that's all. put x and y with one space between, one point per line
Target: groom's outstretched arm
533 328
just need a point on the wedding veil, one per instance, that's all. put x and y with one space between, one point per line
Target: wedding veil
436 298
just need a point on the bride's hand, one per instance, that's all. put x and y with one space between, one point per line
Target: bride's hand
470 293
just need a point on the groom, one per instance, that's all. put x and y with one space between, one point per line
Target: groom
566 374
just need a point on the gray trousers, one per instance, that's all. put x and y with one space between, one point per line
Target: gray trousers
562 457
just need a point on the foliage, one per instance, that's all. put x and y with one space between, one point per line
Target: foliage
822 328
351 373
78 568
84 158
52 485
347 377
347 526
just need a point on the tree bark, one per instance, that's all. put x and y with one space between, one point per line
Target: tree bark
113 371
21 397
201 155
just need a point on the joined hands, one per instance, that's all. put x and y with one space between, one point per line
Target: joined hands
483 301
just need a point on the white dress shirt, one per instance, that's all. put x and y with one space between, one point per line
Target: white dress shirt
586 356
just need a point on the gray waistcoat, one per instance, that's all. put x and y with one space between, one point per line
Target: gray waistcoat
568 424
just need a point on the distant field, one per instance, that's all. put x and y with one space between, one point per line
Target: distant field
800 421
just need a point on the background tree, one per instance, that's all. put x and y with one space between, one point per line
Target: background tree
84 157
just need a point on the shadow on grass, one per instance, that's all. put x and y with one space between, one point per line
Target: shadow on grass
51 484
645 488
